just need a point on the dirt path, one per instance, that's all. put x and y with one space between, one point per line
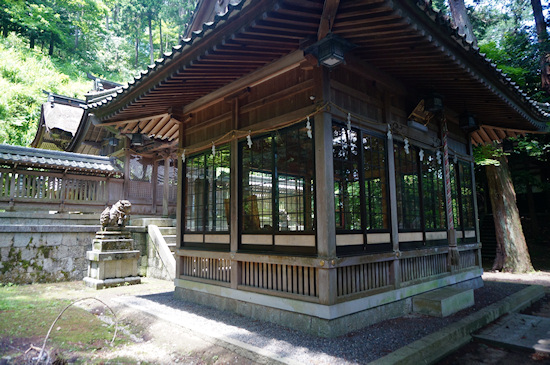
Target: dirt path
151 340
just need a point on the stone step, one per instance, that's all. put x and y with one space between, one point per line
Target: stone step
167 230
443 302
170 238
105 245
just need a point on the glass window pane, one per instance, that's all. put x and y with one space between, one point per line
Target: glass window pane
295 182
407 186
194 194
376 193
433 192
257 186
466 192
347 191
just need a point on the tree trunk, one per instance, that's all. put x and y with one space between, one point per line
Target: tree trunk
461 20
543 44
52 43
160 36
31 43
534 226
137 49
512 254
151 50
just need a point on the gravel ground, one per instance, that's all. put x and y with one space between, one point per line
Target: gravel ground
291 346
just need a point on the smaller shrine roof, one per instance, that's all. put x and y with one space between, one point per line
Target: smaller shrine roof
68 161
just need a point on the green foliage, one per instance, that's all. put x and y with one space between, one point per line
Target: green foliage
24 75
487 154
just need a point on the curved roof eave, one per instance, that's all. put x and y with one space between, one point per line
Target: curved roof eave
509 90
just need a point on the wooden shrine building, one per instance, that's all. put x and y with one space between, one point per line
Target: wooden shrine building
147 168
326 155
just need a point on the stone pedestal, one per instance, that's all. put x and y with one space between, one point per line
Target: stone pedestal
112 260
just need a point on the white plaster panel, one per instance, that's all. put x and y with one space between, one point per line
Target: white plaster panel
374 238
410 236
217 238
349 239
192 238
436 235
295 240
256 239
458 234
469 234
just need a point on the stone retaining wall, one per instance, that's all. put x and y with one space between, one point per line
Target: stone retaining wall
37 253
41 247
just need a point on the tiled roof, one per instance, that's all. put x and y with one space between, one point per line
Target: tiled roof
39 158
485 71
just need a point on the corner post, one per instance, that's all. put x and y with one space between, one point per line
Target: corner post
394 220
324 192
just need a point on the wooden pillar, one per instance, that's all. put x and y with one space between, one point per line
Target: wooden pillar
154 185
234 198
166 186
13 175
180 206
234 211
324 191
474 196
394 220
126 186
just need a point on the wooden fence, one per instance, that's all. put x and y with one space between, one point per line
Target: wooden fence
63 192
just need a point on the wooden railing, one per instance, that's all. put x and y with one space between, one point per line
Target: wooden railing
53 191
420 267
206 268
298 278
363 277
282 278
43 190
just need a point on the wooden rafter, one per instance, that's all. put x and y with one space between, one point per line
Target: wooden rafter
330 8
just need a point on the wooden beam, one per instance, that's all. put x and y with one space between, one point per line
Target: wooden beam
136 120
330 8
370 72
272 70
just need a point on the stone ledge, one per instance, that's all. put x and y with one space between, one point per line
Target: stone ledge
109 283
443 302
436 346
57 228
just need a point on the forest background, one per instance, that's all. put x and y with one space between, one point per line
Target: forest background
51 45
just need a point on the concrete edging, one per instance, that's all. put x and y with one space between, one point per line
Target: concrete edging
437 345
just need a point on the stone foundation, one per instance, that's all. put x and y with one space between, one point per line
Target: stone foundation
317 319
113 260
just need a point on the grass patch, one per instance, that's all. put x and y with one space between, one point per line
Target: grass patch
28 314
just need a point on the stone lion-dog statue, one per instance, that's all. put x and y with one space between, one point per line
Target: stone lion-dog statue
117 215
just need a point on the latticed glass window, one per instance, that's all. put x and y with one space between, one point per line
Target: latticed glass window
408 187
375 176
433 192
466 192
347 186
278 183
462 195
207 191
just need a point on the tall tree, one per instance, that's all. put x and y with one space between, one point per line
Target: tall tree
512 253
461 20
544 48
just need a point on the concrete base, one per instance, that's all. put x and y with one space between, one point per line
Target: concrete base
109 283
312 318
443 302
112 261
